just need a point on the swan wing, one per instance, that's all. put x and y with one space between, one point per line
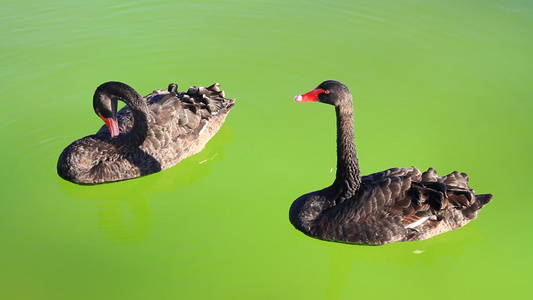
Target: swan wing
417 198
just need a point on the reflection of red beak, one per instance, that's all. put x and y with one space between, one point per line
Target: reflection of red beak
112 124
309 96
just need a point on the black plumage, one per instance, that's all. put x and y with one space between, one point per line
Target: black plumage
148 135
398 204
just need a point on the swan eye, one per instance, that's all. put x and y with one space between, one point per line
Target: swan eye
326 91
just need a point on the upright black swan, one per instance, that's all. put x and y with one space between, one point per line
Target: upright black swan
399 204
148 135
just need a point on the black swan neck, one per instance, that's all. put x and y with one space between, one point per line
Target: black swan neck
139 109
348 178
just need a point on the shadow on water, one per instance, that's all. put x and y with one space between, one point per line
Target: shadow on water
124 213
346 261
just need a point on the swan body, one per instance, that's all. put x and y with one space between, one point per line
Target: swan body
398 204
148 135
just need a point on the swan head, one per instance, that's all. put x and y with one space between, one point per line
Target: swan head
330 92
105 107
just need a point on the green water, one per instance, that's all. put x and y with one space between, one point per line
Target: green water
436 83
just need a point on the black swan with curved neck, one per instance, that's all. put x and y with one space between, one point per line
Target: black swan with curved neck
148 135
399 204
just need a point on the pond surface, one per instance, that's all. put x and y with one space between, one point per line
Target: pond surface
445 84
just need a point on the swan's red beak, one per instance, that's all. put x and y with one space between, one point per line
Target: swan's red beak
112 124
309 96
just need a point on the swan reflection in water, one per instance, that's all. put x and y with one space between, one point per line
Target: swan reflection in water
123 211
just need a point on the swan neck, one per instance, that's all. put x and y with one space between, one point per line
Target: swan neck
348 177
139 131
139 109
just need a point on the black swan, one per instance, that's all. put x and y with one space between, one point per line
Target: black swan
399 204
148 135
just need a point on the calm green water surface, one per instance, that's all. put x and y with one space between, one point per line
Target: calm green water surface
436 83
